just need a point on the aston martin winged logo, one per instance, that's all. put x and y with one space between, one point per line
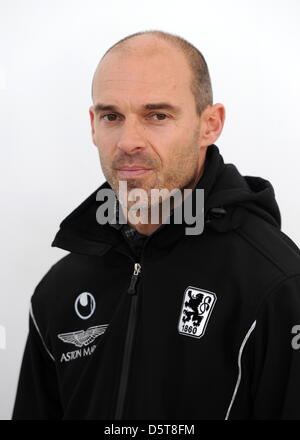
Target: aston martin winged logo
83 337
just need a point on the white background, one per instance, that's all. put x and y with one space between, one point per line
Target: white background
48 53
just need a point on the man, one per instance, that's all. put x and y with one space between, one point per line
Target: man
142 320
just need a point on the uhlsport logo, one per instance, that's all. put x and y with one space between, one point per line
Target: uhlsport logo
85 305
81 339
195 312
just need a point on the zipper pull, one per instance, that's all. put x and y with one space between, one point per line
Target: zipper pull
134 278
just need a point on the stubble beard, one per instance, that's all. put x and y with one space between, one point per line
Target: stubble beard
178 177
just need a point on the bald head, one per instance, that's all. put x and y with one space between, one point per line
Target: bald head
148 44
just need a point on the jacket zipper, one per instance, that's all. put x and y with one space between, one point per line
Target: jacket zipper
129 342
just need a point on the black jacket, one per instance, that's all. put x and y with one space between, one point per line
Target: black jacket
201 327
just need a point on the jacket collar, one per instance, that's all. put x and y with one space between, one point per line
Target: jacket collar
81 233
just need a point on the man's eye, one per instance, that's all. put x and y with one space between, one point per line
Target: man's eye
160 114
109 114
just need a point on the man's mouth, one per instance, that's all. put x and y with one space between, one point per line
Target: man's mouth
133 171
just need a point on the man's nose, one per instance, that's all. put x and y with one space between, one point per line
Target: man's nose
131 136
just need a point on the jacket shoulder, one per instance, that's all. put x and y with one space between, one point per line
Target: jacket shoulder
56 285
271 243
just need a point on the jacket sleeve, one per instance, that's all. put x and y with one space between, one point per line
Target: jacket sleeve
37 396
270 364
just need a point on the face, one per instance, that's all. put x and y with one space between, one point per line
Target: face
149 134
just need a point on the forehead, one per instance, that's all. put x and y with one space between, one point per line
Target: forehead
141 74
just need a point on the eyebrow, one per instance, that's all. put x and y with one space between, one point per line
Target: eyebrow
155 106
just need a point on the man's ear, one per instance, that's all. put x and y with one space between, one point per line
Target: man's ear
212 122
92 120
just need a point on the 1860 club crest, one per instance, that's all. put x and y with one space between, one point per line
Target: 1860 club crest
195 312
